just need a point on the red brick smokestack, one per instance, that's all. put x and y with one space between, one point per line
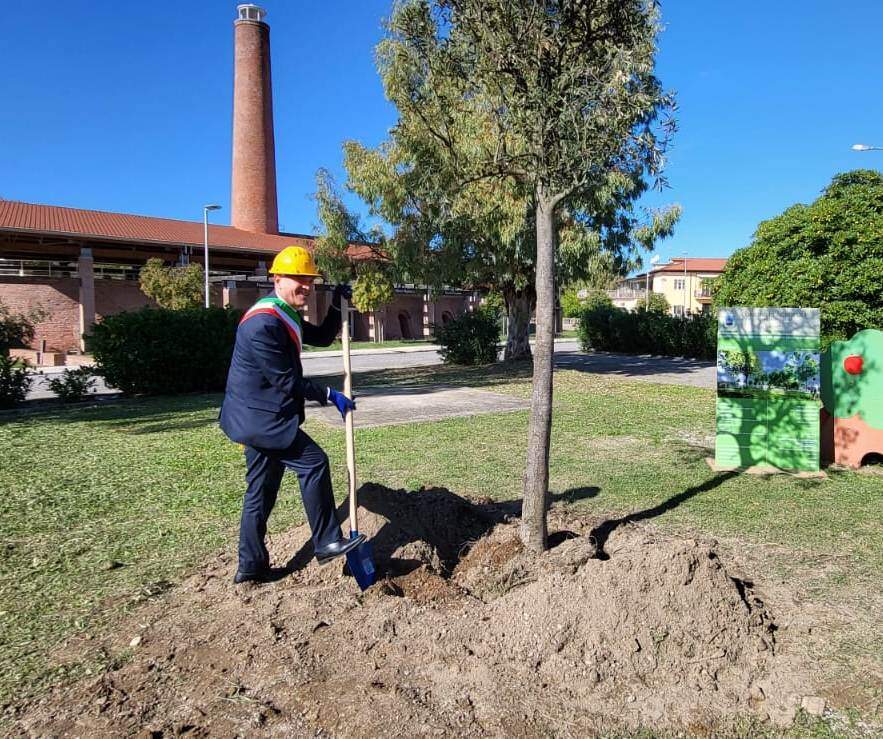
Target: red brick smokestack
253 198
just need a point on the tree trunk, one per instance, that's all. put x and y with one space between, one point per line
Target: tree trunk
519 304
536 474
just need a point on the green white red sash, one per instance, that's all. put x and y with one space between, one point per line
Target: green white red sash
290 318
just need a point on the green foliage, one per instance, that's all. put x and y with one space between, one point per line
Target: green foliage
571 305
14 381
17 329
73 385
615 330
656 303
494 305
739 362
472 82
469 339
157 351
828 254
372 289
175 288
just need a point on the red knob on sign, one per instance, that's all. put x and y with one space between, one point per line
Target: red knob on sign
853 364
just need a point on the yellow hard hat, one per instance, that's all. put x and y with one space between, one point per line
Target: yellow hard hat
294 260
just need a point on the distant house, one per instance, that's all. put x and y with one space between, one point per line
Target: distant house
685 283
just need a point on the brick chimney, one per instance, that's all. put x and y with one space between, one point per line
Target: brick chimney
253 197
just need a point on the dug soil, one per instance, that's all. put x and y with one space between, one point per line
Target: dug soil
466 634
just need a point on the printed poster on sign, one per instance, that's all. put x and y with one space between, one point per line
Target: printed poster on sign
768 383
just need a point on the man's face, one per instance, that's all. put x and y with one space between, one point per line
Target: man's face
294 290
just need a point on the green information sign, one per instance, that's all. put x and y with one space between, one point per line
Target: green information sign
768 387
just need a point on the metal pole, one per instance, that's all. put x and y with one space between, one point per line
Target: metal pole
205 226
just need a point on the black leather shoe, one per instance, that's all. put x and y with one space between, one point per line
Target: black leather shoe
337 548
268 575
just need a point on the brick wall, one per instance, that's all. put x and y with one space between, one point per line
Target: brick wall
455 305
403 318
59 298
116 296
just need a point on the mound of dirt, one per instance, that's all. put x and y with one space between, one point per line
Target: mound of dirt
466 634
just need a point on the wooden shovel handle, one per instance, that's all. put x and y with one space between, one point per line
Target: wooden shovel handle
348 421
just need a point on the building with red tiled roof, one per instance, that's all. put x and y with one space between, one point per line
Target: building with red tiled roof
76 266
685 283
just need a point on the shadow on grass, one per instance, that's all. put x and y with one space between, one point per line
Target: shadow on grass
602 532
161 412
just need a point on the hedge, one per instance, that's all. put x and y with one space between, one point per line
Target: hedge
156 351
647 332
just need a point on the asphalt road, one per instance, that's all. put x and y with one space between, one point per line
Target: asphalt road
666 370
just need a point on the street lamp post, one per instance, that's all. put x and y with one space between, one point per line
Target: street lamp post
654 260
205 210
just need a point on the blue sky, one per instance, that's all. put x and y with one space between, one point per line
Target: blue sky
127 106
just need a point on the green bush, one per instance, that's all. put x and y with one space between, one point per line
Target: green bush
647 332
73 385
155 351
14 381
655 303
469 339
17 329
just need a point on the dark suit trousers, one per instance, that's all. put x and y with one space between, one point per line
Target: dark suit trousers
264 469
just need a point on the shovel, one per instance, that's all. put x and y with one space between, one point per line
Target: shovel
361 559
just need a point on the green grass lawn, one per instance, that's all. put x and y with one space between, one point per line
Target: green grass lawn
104 505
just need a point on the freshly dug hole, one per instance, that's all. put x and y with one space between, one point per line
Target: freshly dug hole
466 635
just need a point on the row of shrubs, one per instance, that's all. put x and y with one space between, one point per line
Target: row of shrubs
155 351
607 328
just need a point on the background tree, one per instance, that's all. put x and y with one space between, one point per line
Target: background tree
553 102
827 254
372 273
483 233
655 303
175 288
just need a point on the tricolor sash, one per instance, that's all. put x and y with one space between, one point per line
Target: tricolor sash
290 318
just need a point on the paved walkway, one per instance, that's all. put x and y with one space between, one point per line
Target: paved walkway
664 370
667 370
384 406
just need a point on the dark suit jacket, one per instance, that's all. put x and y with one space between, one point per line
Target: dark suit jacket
266 389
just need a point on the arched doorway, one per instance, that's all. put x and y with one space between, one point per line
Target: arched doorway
405 324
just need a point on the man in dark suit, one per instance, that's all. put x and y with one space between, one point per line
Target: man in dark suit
263 410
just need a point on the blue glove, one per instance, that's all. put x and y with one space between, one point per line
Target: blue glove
342 402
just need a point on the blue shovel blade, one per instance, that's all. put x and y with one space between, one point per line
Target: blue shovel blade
361 563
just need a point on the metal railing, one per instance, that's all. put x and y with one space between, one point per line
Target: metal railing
626 293
47 269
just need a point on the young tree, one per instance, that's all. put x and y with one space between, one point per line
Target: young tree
827 254
555 100
482 232
373 287
175 288
655 303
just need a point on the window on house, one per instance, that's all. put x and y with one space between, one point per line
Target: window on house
679 284
678 310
